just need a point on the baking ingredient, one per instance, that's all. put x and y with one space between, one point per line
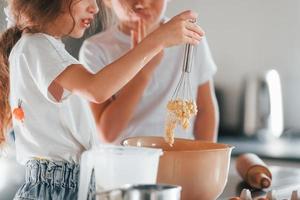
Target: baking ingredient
179 113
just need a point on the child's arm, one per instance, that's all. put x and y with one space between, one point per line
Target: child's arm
101 86
207 119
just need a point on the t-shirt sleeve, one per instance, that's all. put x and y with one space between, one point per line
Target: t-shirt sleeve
46 58
204 67
92 56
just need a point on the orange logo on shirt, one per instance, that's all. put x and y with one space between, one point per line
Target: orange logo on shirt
18 112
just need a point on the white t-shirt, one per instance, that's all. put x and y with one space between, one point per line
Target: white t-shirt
150 113
51 130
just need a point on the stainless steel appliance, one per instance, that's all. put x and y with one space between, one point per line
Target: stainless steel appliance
142 192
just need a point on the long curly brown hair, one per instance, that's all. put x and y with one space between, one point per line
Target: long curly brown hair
30 16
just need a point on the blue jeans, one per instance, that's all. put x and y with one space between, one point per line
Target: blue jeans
52 180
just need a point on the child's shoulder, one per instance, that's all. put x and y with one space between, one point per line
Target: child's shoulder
39 40
37 37
37 45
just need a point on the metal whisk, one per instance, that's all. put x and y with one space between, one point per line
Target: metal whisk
183 89
181 107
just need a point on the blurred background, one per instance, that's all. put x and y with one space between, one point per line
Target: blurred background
260 109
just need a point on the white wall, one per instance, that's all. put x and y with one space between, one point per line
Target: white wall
249 36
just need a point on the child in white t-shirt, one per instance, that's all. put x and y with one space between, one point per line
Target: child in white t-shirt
48 88
139 109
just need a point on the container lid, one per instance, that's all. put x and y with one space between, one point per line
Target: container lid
128 150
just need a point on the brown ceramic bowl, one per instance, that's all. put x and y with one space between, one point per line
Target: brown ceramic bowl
200 168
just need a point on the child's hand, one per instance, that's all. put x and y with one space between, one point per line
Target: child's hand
179 30
138 34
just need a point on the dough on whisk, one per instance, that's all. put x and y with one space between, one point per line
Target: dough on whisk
179 113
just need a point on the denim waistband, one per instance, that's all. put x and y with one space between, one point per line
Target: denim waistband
59 173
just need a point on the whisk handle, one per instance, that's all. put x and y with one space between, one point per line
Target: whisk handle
188 57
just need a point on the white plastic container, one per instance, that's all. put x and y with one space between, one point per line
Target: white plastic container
116 166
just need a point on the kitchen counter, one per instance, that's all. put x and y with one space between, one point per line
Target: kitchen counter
286 178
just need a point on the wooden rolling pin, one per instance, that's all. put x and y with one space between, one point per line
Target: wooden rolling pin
254 171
